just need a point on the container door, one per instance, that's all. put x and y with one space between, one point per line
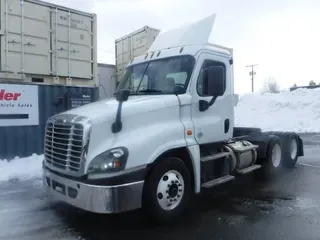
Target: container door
123 55
72 44
25 44
139 43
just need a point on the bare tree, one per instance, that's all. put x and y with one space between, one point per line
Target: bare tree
271 85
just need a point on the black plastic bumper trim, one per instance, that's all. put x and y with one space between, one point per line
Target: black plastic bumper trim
134 176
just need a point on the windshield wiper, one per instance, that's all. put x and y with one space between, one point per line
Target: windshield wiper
130 94
150 91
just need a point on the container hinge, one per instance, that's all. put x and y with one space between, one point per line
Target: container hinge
56 80
69 81
29 44
61 49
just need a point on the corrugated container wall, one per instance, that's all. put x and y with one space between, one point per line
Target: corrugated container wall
133 45
43 42
107 80
48 100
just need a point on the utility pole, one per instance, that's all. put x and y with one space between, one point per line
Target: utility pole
252 73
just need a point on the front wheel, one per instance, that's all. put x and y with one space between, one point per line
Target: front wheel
167 190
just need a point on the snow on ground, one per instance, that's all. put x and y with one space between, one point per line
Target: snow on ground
21 168
297 111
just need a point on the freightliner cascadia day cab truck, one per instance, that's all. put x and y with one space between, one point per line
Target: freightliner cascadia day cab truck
168 134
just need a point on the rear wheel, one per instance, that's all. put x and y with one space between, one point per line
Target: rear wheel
292 154
272 164
167 190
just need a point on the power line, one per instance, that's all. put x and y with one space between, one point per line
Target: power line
252 73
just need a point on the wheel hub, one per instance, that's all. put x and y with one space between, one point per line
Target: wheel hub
170 190
173 190
276 155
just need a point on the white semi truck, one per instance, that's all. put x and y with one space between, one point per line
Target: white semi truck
168 134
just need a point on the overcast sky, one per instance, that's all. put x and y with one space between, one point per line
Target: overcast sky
282 36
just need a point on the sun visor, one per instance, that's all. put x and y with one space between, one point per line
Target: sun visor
196 33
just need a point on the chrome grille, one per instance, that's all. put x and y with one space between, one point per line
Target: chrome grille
63 145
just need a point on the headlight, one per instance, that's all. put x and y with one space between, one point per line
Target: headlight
113 160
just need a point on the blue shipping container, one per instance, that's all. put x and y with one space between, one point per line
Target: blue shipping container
23 141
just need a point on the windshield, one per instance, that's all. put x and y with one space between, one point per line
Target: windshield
163 76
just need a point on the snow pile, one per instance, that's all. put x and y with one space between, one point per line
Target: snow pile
21 168
297 111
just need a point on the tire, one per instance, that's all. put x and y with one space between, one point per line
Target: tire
272 164
292 151
169 182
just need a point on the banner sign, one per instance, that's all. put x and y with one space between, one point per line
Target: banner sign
19 105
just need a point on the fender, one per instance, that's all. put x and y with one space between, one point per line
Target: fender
156 139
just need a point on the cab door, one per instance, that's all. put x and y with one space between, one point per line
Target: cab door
212 110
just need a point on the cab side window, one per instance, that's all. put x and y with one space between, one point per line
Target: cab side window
203 81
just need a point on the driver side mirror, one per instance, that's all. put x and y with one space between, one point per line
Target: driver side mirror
122 95
214 81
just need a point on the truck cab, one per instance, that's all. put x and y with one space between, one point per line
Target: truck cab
167 134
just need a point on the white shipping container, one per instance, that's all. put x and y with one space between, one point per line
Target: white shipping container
133 45
41 38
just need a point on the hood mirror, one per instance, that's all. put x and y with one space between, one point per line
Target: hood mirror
122 95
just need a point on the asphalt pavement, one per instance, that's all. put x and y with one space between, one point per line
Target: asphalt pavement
288 208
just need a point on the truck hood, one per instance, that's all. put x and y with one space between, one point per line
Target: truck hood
105 110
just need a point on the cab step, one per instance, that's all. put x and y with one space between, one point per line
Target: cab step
215 156
249 169
217 181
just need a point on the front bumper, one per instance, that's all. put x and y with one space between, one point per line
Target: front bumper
94 198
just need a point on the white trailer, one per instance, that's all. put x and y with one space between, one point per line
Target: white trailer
44 42
132 45
163 140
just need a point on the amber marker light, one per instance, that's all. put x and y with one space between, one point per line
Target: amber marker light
189 132
117 163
